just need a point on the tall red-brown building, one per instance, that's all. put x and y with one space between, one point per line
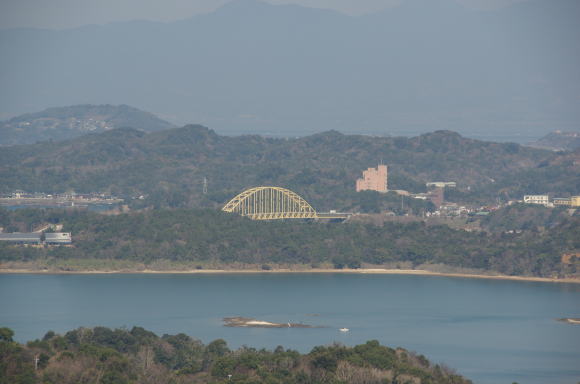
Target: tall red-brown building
437 196
374 179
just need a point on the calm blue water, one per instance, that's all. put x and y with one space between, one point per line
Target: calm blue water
491 331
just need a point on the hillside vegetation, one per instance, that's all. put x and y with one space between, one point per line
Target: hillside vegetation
559 141
211 239
120 356
63 123
522 217
167 168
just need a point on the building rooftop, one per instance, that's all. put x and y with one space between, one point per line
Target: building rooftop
17 236
35 237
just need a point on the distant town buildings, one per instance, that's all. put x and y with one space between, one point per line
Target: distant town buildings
21 198
89 197
437 196
572 202
53 238
374 179
58 238
436 192
560 201
441 184
537 199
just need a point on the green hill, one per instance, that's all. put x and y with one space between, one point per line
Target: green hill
68 122
558 141
187 238
168 167
122 356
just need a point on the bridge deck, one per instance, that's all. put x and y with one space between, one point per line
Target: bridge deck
337 215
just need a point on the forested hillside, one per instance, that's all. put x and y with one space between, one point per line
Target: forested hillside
524 217
69 122
167 168
121 356
212 239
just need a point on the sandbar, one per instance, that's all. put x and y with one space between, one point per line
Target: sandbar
244 322
378 271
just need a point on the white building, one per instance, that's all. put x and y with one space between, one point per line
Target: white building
442 184
537 199
58 238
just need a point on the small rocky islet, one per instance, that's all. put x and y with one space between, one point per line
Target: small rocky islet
239 321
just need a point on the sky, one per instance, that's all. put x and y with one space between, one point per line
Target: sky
59 14
505 75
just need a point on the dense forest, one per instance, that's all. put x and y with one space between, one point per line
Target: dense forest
167 168
524 217
119 356
212 239
161 173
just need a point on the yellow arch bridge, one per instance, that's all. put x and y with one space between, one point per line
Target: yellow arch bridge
271 203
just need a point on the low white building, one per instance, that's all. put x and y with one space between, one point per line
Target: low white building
58 238
537 199
442 184
54 238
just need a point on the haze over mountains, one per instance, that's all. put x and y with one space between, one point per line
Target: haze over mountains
252 67
61 123
559 141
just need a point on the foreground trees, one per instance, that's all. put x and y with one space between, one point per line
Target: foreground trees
102 355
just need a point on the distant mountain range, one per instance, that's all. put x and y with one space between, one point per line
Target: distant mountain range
69 122
559 141
285 70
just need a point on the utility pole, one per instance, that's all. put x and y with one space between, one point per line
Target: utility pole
36 360
205 185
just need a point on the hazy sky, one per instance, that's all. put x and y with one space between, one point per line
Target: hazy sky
73 13
250 70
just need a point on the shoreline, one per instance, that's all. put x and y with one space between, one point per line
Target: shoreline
372 271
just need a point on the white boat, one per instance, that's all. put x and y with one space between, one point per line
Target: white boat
344 329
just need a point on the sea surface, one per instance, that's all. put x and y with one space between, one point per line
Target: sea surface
491 331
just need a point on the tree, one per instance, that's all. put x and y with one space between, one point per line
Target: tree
218 347
6 334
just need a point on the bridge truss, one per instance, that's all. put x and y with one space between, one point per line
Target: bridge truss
270 203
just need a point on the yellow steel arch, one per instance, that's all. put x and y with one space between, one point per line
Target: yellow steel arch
270 203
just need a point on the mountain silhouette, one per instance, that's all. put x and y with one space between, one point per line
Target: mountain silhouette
287 70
